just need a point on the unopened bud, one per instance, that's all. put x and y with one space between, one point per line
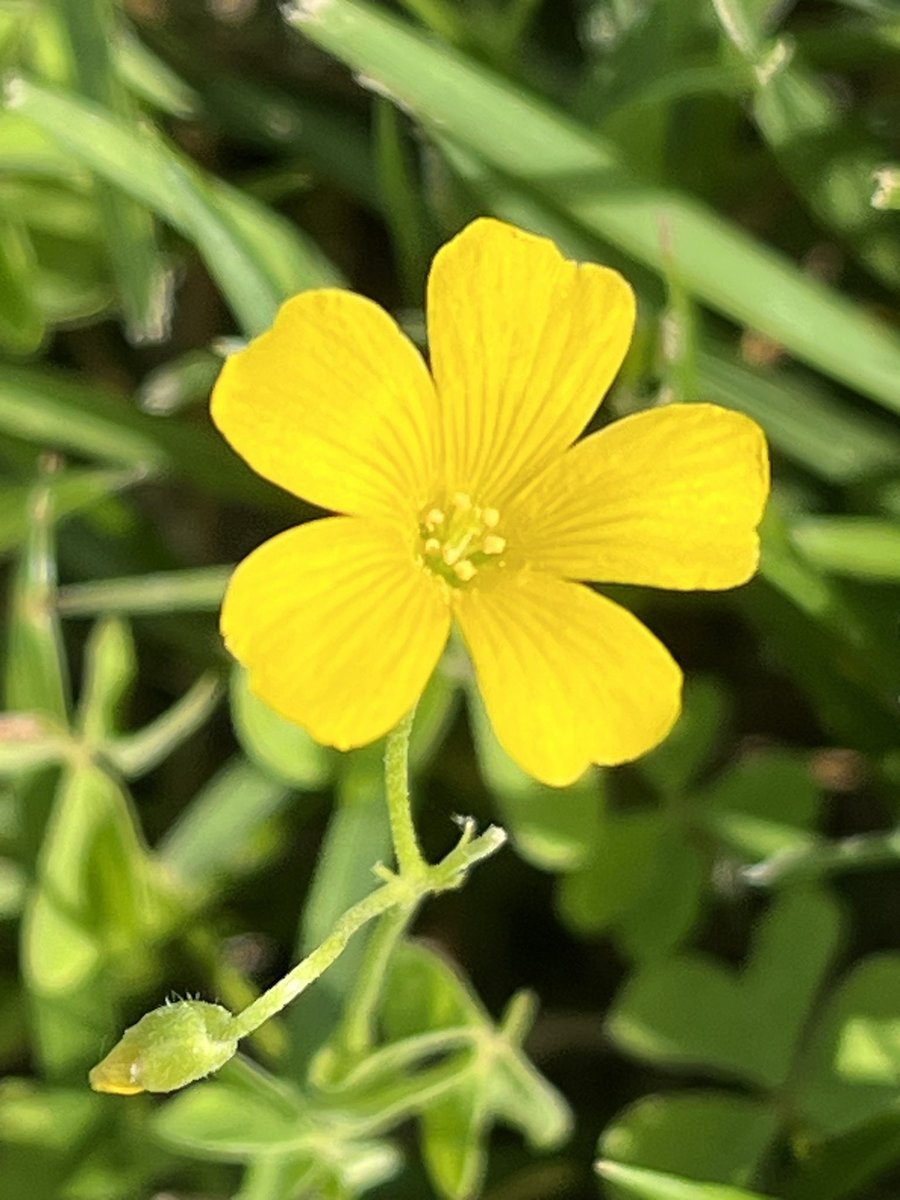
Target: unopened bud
168 1048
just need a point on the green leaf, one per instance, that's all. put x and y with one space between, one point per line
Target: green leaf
634 1183
861 547
70 491
54 410
110 668
243 1112
830 164
217 833
673 766
629 850
276 745
137 753
827 638
95 900
424 993
692 1011
708 1136
93 894
255 256
766 803
36 669
851 1071
151 78
399 187
22 325
198 590
142 279
551 829
44 1132
846 1166
665 912
536 146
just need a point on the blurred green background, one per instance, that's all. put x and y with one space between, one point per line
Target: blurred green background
709 937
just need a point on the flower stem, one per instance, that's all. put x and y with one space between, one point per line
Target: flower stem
410 862
307 971
355 1034
397 898
398 892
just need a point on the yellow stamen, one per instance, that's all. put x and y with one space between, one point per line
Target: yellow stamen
493 544
490 517
464 570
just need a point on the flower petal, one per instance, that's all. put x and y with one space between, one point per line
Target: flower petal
523 346
338 627
335 404
568 677
667 498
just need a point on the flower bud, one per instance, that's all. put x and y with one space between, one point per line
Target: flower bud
168 1048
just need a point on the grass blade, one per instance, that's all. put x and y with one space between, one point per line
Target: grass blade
553 156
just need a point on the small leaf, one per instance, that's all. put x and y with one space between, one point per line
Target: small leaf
666 911
710 1136
634 1183
137 753
29 740
851 1070
765 803
692 1011
276 745
198 590
219 831
424 993
110 667
674 765
630 850
550 828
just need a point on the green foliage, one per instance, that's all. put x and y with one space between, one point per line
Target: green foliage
705 937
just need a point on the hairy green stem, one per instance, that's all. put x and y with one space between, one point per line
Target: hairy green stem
396 900
356 1033
398 892
410 862
859 853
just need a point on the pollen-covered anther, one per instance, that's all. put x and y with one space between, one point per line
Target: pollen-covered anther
459 538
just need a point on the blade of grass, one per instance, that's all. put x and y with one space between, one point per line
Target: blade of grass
572 170
69 492
22 325
200 590
142 278
53 409
862 547
256 257
830 164
802 418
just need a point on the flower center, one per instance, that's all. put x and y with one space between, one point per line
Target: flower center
460 538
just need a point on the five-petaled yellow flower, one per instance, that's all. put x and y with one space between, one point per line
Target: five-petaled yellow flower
464 499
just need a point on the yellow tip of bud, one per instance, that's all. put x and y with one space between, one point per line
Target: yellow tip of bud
168 1048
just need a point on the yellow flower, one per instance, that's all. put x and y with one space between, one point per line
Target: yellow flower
465 500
